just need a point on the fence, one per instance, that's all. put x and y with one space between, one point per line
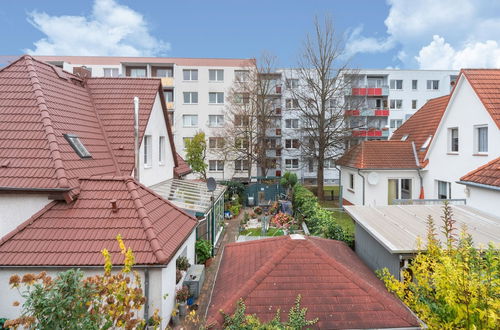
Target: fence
457 201
263 194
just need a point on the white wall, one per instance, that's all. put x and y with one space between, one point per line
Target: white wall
486 200
465 110
156 127
17 208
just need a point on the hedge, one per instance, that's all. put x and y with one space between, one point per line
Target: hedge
320 222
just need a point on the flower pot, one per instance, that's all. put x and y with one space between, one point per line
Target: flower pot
182 309
208 262
175 320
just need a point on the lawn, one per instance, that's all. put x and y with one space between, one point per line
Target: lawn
345 221
258 232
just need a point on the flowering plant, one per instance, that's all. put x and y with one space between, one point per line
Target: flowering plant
282 220
183 294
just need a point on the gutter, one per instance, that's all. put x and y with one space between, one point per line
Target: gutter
479 185
359 173
35 189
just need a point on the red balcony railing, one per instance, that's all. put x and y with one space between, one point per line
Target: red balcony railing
368 112
369 133
367 91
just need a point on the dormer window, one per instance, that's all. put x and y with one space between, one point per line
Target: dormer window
77 145
426 143
404 137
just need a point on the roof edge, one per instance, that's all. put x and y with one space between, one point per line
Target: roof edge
478 185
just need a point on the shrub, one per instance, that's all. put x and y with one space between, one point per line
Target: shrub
257 210
235 209
246 217
203 250
182 294
182 263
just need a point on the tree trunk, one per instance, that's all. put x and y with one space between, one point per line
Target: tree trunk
320 178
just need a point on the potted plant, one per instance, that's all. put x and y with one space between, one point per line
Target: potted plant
203 252
178 276
282 220
257 210
175 316
182 263
181 296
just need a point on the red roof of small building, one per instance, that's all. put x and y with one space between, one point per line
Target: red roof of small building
335 285
485 83
380 155
422 125
182 167
74 234
488 174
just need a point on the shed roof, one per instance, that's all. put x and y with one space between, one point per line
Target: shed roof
487 174
397 227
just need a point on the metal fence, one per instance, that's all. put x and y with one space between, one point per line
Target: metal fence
456 201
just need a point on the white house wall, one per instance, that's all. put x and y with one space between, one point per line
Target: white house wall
464 111
17 208
486 200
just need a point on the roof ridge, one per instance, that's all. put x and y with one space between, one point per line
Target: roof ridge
154 242
47 123
258 276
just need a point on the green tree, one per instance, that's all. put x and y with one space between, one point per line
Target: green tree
288 181
454 285
196 150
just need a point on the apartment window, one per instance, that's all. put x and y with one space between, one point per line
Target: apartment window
138 72
291 123
216 120
396 84
240 120
190 74
190 97
216 165
292 103
481 139
329 164
396 104
163 72
216 97
453 139
169 96
292 83
413 104
444 190
171 118
241 165
161 150
395 123
292 143
190 120
310 165
186 140
398 189
414 85
215 142
241 75
351 181
77 145
241 143
148 150
216 75
110 72
241 98
433 84
292 163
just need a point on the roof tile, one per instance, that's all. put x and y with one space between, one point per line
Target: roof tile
488 174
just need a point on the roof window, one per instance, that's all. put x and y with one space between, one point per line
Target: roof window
77 145
405 137
426 143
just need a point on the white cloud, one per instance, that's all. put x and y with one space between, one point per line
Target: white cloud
356 43
111 29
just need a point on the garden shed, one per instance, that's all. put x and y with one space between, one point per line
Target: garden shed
386 236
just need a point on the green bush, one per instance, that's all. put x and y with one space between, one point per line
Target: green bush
235 209
182 263
203 250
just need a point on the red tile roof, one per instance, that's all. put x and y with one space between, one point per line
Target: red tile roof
380 155
486 84
334 284
73 234
423 125
488 174
182 167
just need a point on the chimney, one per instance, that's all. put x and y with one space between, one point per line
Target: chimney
114 206
83 72
136 138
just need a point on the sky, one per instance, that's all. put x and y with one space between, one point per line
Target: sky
405 34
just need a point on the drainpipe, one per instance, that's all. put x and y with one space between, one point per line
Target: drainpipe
417 162
146 294
359 173
136 138
340 186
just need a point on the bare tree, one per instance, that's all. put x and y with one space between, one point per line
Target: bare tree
250 122
323 77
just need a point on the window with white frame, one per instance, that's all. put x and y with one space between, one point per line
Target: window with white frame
396 104
161 150
215 120
481 139
396 84
291 123
169 96
329 163
241 98
111 72
138 72
292 143
292 163
190 97
241 143
444 189
292 103
398 189
216 97
186 140
190 74
215 142
164 72
241 75
241 120
453 139
351 181
413 104
395 123
241 165
432 84
292 83
190 120
414 84
216 74
77 145
310 165
216 165
148 150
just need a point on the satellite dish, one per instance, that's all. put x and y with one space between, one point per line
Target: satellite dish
373 178
211 184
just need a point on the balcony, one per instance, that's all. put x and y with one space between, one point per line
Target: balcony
167 82
368 112
367 133
170 105
369 91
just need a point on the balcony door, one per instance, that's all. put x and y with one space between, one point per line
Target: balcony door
398 189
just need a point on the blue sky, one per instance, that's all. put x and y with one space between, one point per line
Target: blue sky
394 33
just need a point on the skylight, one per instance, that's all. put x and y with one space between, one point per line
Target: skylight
404 137
77 145
426 143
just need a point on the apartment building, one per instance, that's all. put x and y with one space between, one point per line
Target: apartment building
195 91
